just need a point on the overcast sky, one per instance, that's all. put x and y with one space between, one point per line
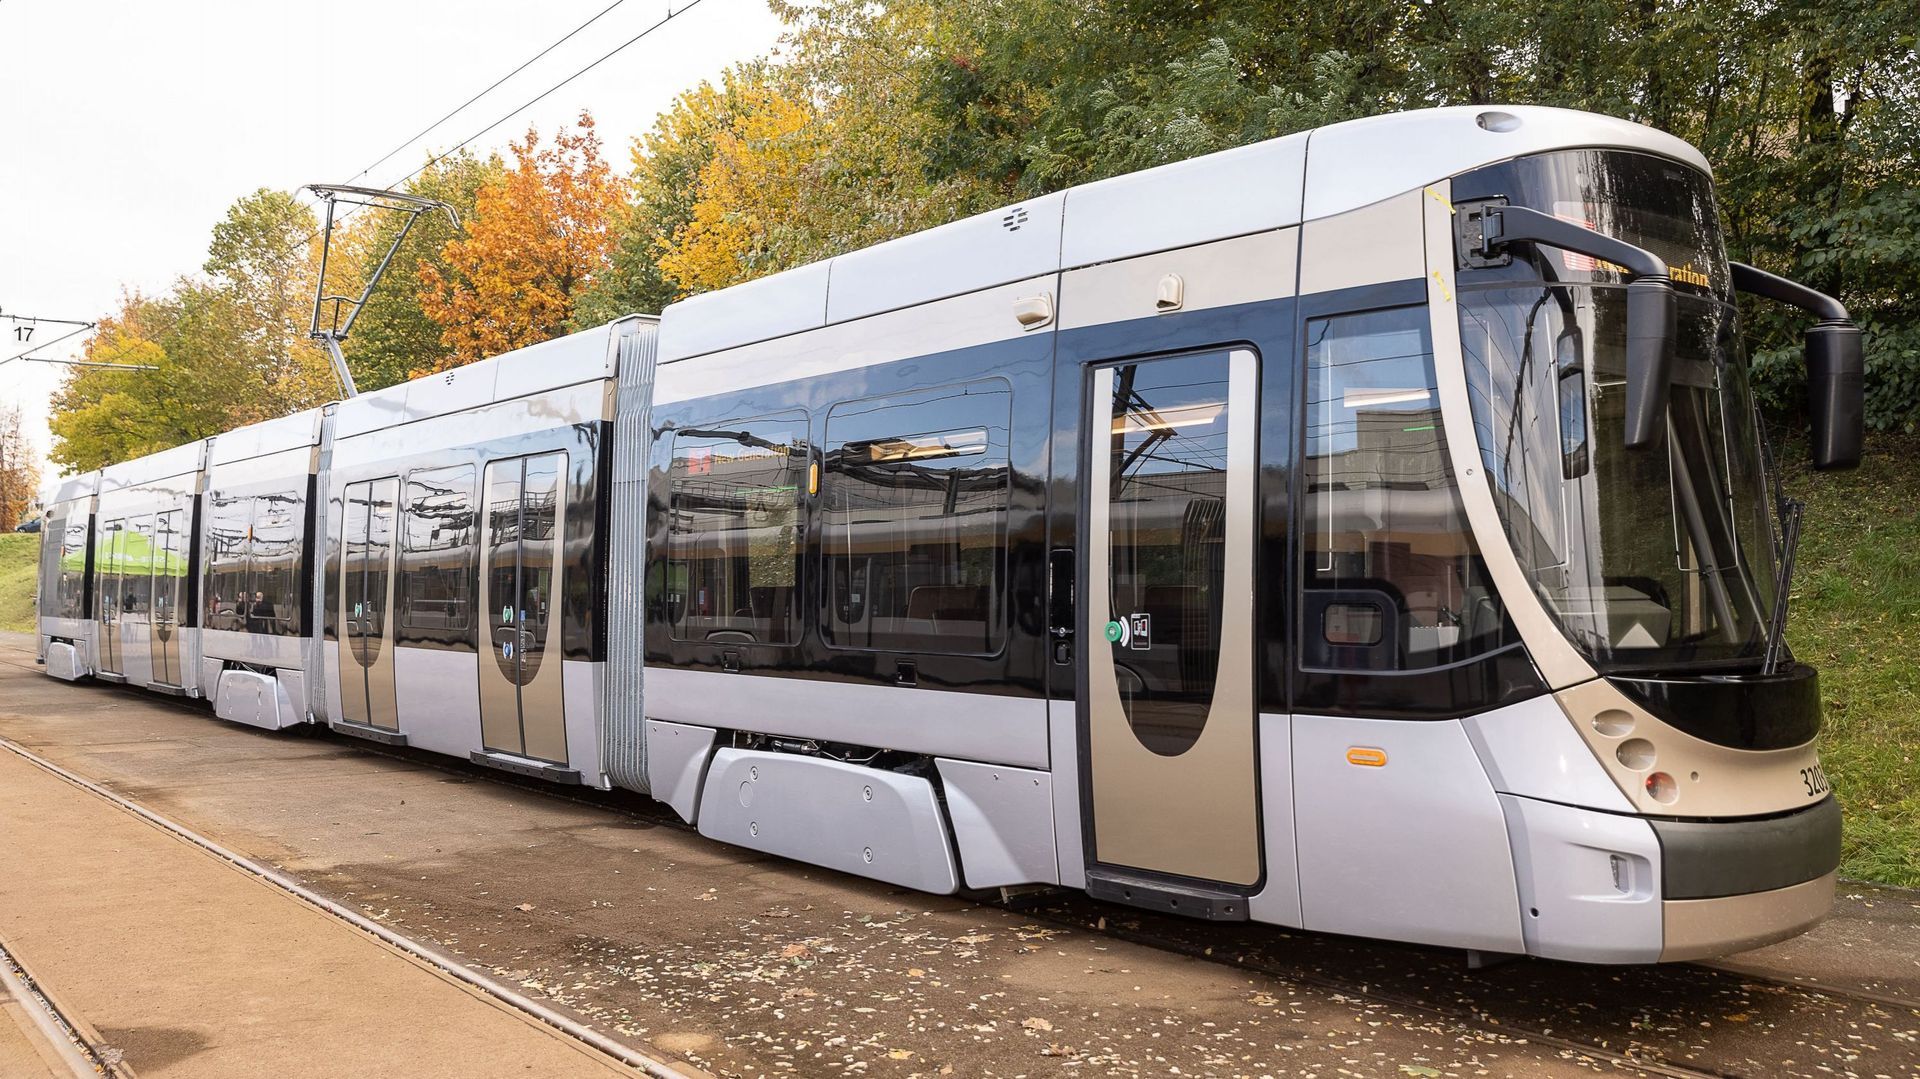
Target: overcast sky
127 127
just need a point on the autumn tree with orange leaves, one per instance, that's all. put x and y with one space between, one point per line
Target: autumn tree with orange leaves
538 236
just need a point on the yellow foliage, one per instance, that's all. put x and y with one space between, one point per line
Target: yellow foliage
750 189
537 237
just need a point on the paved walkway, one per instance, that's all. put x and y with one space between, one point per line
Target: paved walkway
189 966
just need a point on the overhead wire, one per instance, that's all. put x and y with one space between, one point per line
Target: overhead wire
529 103
491 87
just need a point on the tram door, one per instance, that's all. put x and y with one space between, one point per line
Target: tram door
524 520
169 592
110 596
366 601
1167 664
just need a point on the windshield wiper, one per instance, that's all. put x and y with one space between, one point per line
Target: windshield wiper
1789 511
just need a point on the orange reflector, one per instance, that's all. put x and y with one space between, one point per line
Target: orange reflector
1367 757
813 478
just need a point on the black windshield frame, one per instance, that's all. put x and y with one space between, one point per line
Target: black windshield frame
1651 560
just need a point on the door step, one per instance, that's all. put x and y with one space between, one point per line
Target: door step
111 677
372 734
1167 897
526 766
168 688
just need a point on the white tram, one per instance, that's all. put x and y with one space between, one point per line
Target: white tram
1364 531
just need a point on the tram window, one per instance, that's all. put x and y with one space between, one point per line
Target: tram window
229 525
1393 580
273 605
733 531
73 564
437 557
914 526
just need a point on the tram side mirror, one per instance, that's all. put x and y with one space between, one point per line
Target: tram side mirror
1651 322
1836 402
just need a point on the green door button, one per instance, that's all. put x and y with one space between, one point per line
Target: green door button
1114 631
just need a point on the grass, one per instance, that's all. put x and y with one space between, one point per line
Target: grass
19 558
1855 615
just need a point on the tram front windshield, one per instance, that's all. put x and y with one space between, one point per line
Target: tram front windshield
1651 559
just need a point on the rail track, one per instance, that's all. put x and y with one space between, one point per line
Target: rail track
1463 1012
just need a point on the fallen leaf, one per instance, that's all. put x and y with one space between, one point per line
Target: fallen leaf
1036 1024
793 951
900 1054
915 972
1420 1070
524 906
1737 1017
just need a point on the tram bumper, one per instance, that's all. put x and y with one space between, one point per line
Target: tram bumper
1598 887
1731 885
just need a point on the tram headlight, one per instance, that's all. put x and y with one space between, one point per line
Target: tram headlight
1661 788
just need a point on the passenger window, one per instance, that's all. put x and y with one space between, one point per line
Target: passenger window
733 530
229 523
273 607
73 567
436 562
915 520
1393 579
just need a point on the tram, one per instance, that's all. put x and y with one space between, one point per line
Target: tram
1365 531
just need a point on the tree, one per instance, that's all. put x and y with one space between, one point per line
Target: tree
539 234
264 259
394 336
19 472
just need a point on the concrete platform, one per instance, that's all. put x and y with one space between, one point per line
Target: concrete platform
188 966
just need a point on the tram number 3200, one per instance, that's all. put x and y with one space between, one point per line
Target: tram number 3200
1815 779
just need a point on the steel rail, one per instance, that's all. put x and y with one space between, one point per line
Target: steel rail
72 1049
648 1065
1472 1018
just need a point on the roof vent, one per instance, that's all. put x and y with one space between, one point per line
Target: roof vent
1014 218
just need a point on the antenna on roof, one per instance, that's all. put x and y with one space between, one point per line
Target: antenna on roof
336 330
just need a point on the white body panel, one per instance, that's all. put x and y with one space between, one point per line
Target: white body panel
1531 749
1063 740
1251 189
677 765
63 661
1360 162
938 723
863 821
1278 901
1589 883
977 252
1414 850
255 700
1269 185
1002 823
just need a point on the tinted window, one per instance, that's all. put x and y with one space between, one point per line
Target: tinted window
915 523
1393 580
733 530
437 558
229 520
274 563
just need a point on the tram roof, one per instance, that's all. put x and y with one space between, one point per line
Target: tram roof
1267 185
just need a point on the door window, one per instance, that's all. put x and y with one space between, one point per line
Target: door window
1166 462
